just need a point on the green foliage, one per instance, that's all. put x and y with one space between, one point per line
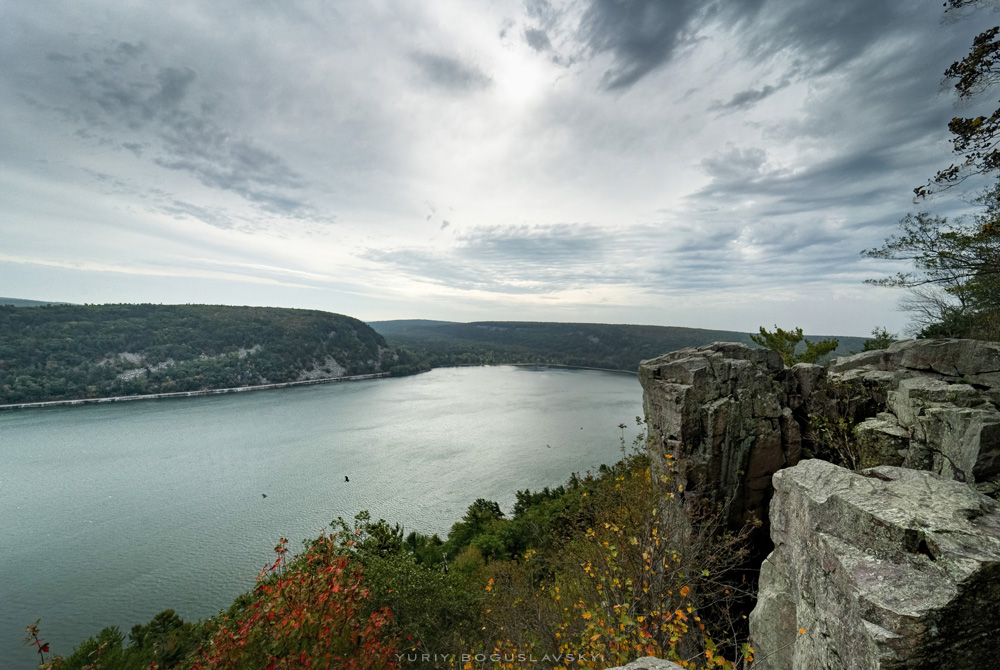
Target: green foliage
833 440
830 433
620 586
881 339
166 641
784 342
58 352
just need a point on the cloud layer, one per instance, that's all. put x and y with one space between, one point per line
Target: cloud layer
693 163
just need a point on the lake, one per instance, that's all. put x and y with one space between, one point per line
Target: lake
111 513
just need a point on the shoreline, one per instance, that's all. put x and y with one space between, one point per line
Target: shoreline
269 387
189 394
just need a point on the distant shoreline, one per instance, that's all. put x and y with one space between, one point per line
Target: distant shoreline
269 387
189 394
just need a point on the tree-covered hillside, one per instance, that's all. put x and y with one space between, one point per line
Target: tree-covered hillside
58 352
614 346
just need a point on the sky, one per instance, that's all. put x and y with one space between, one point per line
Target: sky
705 163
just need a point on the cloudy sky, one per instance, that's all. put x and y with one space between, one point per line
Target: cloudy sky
713 163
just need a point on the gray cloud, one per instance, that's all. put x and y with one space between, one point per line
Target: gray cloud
537 39
749 97
735 165
517 259
552 245
451 73
640 36
826 34
122 97
212 216
174 83
644 35
247 125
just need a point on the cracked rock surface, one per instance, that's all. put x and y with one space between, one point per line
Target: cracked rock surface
941 407
723 415
885 568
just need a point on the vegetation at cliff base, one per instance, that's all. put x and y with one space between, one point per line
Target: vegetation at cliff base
59 352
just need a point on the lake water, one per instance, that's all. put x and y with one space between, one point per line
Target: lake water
112 513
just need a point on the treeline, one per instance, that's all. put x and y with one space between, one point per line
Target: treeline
581 571
58 352
613 346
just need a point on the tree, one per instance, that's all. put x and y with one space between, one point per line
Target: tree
785 341
975 139
954 289
955 283
881 339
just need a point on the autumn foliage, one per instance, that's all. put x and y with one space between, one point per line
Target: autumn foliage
622 589
307 613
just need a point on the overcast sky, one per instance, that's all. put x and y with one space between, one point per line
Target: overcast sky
673 162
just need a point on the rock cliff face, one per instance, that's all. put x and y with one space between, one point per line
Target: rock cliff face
720 416
884 568
896 566
729 416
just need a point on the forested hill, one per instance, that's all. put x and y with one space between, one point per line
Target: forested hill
614 346
59 352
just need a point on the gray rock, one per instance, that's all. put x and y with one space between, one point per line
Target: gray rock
971 359
882 441
721 414
868 359
975 360
953 429
886 568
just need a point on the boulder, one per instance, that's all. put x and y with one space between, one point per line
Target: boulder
882 441
884 568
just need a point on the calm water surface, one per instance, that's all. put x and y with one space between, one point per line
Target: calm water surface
112 513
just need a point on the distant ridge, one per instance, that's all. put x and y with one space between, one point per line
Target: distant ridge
21 302
599 345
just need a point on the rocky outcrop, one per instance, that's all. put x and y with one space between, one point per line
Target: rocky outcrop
940 411
884 568
896 566
720 423
724 417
